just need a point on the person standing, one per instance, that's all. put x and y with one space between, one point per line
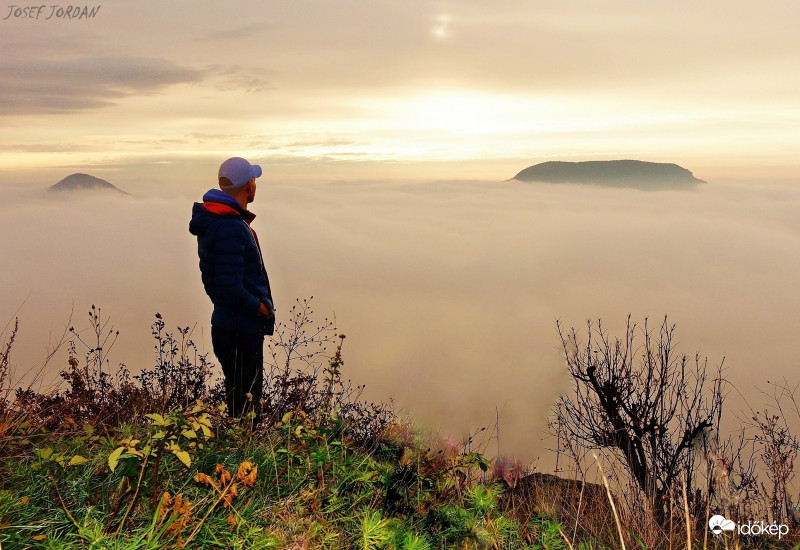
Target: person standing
235 278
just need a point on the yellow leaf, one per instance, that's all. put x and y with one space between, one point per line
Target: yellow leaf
183 456
77 459
157 419
40 537
113 458
136 452
190 434
206 431
45 454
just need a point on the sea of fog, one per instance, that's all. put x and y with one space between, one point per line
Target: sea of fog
448 292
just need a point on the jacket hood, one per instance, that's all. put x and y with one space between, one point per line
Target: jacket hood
216 204
215 195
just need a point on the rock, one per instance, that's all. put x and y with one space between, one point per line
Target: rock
573 501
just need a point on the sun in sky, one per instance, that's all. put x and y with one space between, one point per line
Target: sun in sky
441 29
706 86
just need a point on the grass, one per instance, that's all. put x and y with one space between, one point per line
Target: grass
117 461
151 461
196 479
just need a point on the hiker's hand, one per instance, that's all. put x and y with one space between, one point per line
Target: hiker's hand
264 310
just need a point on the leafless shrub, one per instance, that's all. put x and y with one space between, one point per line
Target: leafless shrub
749 474
727 468
303 375
300 339
778 452
777 449
5 354
182 375
644 403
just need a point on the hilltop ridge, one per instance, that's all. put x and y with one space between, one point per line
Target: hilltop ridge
611 173
80 182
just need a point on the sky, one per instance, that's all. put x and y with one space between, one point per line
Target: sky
387 131
350 89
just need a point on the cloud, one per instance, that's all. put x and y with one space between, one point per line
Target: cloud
239 32
43 147
578 79
448 292
240 78
577 48
45 86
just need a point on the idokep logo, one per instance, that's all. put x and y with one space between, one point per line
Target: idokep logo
718 525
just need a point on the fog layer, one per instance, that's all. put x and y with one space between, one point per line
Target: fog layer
448 291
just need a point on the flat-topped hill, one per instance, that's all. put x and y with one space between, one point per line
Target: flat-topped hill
612 173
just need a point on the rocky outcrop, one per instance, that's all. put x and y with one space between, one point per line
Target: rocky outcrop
573 501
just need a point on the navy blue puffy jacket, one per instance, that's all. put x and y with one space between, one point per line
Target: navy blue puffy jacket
231 265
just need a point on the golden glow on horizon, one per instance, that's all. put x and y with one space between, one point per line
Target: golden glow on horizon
437 125
463 112
404 82
457 112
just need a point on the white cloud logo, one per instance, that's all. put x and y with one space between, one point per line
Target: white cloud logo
718 524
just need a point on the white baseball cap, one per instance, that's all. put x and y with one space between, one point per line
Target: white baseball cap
239 171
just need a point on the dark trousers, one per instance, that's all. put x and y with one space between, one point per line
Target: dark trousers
241 356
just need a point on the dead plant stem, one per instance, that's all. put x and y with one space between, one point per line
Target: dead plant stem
688 519
611 500
61 502
135 495
222 494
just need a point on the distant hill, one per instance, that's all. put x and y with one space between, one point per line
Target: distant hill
611 173
81 182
